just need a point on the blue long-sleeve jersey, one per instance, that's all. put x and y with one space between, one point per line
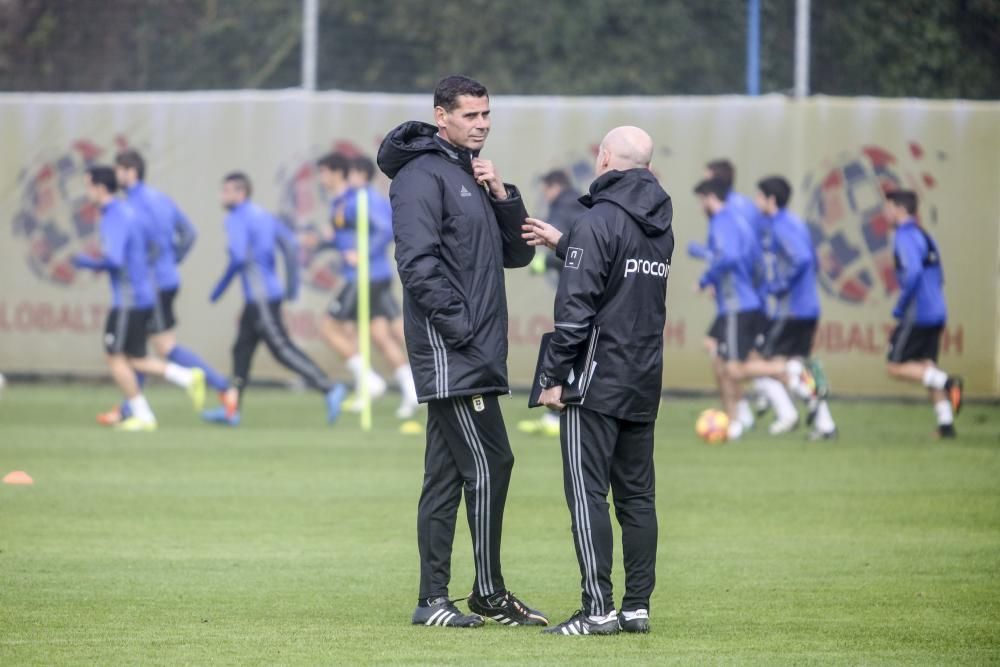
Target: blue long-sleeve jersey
920 277
793 280
123 256
345 220
254 236
170 231
734 255
762 232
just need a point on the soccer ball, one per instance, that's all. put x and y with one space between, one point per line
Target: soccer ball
712 426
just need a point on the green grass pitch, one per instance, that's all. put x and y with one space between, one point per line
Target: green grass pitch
287 542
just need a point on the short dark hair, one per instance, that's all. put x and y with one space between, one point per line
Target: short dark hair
712 186
777 187
335 162
557 177
104 175
723 170
241 180
132 159
364 164
451 87
904 198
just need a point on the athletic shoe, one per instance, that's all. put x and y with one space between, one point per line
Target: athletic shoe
221 415
505 608
111 417
780 427
196 390
442 612
634 621
816 435
136 425
406 410
582 624
954 389
334 402
761 405
946 431
230 401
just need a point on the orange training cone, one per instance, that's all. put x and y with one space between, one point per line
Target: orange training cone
18 477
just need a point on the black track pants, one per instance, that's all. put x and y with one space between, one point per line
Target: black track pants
602 452
467 448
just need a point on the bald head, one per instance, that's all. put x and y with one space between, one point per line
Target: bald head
624 148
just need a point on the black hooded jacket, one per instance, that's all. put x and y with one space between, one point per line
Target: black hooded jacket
614 284
453 240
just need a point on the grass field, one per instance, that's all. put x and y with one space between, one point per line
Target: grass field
287 542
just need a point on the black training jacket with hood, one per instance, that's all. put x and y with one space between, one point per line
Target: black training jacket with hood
453 241
614 285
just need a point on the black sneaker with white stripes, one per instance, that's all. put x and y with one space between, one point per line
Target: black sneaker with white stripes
442 612
506 609
582 624
634 621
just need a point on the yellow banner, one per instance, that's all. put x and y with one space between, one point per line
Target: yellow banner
838 154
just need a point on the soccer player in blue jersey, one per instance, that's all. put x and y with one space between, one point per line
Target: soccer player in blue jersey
921 312
770 392
254 237
170 238
123 256
342 179
732 253
792 284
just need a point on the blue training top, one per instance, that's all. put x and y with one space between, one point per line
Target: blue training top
344 210
123 256
171 233
921 279
793 283
734 256
254 235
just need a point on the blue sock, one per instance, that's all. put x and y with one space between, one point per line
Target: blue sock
140 378
188 359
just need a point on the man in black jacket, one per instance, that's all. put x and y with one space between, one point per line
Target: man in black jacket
611 306
457 226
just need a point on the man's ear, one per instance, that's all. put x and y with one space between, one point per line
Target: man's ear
439 116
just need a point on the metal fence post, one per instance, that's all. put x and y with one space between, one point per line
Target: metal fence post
310 34
802 24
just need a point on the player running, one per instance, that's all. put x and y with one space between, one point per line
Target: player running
921 312
170 237
123 257
254 236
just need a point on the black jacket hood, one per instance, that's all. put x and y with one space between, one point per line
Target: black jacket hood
411 140
638 193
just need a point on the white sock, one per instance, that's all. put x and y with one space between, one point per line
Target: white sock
943 411
794 370
745 413
824 420
354 365
735 429
778 397
404 376
935 378
178 375
140 409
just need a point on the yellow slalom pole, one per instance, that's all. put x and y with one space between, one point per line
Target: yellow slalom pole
364 311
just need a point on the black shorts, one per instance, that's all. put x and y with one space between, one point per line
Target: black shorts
738 334
163 318
344 306
125 331
911 342
789 337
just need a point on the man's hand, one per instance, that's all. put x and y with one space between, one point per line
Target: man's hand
351 257
552 397
484 172
538 232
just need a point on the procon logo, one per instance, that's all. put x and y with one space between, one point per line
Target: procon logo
845 209
646 267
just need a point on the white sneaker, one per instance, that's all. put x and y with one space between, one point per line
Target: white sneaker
782 426
406 410
735 431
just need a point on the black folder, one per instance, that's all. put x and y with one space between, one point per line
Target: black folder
576 385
